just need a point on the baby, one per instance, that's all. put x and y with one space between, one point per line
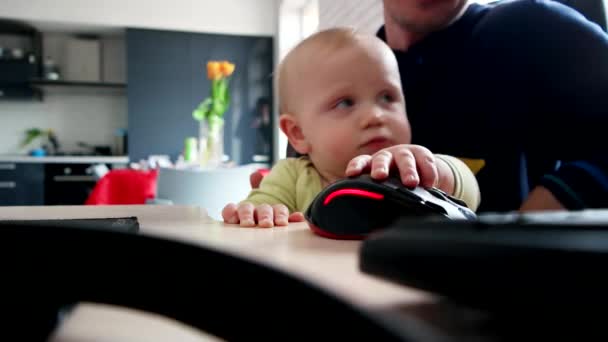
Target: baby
341 105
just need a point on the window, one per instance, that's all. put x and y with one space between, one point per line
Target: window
298 19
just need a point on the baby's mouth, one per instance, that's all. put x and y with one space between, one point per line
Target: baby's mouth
376 144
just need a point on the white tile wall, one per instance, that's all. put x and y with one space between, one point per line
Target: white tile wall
87 115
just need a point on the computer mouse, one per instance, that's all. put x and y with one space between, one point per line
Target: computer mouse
352 208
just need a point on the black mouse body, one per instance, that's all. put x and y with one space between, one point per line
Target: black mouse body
351 208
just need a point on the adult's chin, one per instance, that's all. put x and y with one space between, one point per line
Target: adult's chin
425 16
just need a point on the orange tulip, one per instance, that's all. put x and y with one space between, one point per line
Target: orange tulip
227 68
214 70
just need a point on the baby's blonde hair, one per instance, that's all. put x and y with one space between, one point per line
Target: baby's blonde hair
323 42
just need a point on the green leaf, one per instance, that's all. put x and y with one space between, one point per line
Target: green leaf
204 106
218 109
198 114
202 111
31 135
215 106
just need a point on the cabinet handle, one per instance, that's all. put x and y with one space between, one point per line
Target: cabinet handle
74 179
8 185
10 166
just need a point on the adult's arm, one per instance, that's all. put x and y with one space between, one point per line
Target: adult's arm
567 60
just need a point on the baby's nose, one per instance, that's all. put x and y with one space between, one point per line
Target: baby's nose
373 116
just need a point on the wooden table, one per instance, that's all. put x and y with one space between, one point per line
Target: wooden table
332 264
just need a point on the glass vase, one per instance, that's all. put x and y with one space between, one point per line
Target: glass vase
211 143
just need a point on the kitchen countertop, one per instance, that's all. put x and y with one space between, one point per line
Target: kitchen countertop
64 159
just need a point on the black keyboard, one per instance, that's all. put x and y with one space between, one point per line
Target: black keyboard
498 262
116 224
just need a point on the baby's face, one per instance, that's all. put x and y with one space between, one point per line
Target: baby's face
349 103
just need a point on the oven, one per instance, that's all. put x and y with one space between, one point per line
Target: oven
68 184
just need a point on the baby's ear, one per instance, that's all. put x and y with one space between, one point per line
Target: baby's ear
289 125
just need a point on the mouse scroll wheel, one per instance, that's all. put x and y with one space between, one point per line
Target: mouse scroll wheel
438 193
459 201
443 196
436 208
409 194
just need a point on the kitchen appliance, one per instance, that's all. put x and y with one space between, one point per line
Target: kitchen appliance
96 150
68 184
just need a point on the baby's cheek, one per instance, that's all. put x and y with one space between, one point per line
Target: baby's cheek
402 132
341 152
340 141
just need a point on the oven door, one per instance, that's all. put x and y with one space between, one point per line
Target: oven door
68 184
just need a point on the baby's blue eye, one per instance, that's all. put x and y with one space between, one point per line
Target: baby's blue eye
388 98
345 103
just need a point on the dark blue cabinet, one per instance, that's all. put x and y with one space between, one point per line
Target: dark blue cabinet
21 183
167 78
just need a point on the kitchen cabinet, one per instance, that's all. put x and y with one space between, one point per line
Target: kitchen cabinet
77 59
20 56
33 58
14 92
21 183
61 180
89 71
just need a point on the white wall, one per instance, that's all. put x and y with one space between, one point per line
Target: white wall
297 19
87 115
243 17
364 15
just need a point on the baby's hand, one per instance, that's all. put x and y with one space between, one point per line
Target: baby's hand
416 165
264 215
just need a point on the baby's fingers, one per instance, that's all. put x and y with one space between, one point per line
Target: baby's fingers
264 214
230 214
425 164
281 214
245 212
296 217
406 163
381 164
358 164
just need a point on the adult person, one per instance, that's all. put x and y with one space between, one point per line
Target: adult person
521 85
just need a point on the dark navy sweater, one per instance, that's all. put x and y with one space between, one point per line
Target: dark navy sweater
522 85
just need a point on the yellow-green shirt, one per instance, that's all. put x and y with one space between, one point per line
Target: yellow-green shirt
295 182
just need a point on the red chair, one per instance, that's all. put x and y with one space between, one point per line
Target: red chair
124 186
256 177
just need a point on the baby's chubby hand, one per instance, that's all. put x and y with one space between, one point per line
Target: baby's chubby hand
416 165
264 215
